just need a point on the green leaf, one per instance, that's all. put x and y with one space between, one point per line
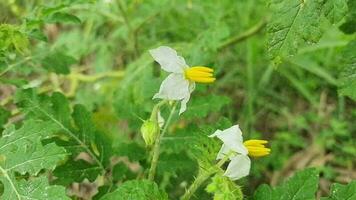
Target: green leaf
294 23
77 132
62 17
138 190
22 152
58 62
263 192
342 192
348 74
36 188
302 186
349 26
224 189
335 10
75 170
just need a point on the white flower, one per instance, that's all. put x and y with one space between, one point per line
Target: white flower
180 83
233 143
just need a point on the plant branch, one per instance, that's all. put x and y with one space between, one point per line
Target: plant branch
202 177
156 148
243 36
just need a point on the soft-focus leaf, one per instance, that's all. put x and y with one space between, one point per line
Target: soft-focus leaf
302 186
138 190
58 62
224 189
349 27
348 74
342 192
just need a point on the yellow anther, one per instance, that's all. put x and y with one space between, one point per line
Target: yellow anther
256 148
200 74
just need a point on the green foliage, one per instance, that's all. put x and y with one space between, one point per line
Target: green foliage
334 10
57 56
339 191
137 189
224 189
349 26
12 39
21 152
348 75
83 137
302 185
58 61
293 24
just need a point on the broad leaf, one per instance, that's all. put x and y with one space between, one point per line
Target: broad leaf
302 186
36 188
77 133
22 152
138 190
294 23
335 10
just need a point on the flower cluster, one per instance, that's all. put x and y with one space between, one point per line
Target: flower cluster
179 85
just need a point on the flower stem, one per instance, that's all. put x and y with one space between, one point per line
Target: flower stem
202 177
156 148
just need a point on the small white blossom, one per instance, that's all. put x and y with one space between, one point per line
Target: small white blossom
180 83
232 142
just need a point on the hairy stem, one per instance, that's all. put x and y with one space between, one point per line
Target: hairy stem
156 148
202 177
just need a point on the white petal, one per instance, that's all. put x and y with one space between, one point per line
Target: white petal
238 167
232 138
174 87
168 59
183 104
223 151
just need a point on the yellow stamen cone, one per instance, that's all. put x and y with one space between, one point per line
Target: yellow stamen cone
200 74
256 148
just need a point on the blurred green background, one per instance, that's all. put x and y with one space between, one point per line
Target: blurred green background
295 105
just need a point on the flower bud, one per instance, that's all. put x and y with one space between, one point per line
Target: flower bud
149 131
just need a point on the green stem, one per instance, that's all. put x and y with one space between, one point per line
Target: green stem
156 148
250 32
202 177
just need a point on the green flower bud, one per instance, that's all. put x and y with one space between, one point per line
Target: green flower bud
149 131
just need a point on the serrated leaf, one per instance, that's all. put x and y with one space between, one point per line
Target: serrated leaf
58 62
224 189
302 186
22 152
138 190
347 84
77 132
36 188
11 38
334 10
294 23
342 192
